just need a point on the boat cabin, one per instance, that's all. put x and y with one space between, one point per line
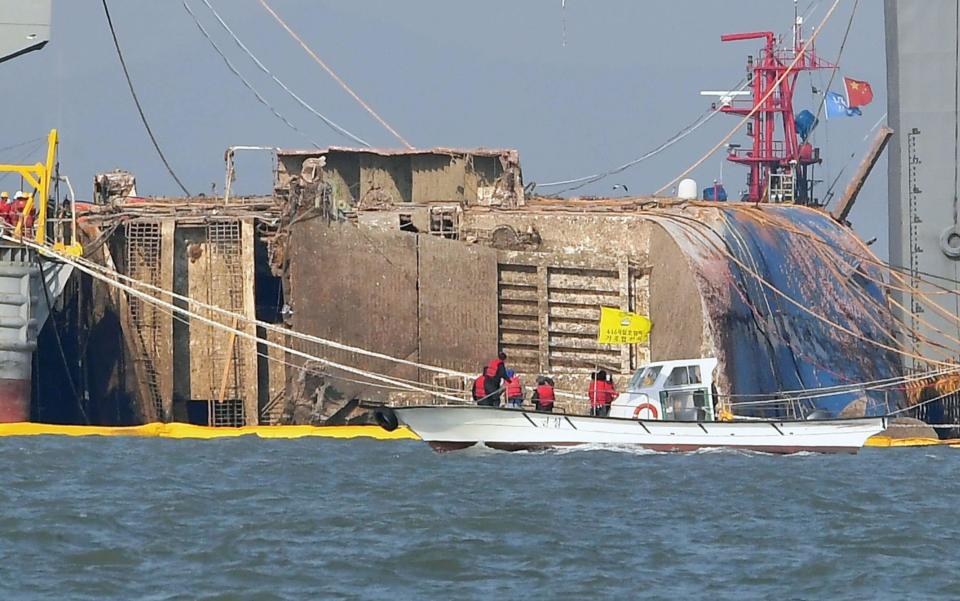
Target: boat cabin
670 390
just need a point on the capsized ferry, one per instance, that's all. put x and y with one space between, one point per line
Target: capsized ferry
669 406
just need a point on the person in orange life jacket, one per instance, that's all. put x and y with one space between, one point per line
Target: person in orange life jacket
514 389
543 395
495 374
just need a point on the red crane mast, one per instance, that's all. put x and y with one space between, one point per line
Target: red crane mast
780 167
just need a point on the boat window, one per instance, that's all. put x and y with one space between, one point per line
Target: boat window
646 377
678 377
684 376
686 405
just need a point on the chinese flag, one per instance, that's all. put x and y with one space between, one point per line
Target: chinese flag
859 93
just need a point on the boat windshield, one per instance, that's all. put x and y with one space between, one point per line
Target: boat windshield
646 377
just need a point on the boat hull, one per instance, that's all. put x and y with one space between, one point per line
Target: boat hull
448 428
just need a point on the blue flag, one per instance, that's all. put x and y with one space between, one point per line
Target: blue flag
837 106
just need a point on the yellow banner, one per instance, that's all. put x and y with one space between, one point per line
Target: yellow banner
622 327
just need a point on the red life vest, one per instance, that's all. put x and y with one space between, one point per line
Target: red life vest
478 389
493 367
514 389
596 393
610 391
545 394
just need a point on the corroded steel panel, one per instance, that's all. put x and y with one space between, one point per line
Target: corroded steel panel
24 26
357 287
458 304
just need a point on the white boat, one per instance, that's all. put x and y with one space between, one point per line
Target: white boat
662 411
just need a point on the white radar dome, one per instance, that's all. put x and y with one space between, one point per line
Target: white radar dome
687 190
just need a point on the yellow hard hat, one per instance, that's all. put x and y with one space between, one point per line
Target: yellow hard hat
4 195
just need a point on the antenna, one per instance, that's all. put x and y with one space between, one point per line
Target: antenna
725 97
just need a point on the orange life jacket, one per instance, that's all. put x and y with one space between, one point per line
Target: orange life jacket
514 388
493 367
478 389
610 391
545 394
596 393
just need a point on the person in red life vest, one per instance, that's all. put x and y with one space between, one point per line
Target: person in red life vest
601 393
5 208
597 393
479 389
495 375
611 391
514 389
543 396
16 210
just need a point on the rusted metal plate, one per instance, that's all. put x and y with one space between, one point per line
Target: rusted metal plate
458 304
358 287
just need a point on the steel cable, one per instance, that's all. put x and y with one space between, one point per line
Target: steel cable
136 101
333 74
280 83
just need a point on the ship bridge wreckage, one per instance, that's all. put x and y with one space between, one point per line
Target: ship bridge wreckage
420 265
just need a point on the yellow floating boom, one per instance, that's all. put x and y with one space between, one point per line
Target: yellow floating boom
179 430
886 442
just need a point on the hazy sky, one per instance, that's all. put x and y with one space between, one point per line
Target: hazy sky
443 73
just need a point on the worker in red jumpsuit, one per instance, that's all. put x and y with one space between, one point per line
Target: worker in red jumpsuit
544 395
514 389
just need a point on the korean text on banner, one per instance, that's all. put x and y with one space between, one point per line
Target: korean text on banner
622 327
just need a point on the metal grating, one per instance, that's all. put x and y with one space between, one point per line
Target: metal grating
225 288
143 264
518 321
574 297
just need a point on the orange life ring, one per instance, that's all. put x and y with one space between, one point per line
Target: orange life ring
642 406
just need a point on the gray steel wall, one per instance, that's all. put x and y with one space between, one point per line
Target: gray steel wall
922 82
24 26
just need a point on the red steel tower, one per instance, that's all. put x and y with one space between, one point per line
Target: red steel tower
780 167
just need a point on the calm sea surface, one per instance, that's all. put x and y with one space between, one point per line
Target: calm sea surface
98 518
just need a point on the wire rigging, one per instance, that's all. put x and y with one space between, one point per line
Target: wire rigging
112 278
280 83
333 74
589 179
836 63
773 88
244 80
24 143
136 101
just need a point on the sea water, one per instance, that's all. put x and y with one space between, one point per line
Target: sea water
99 518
